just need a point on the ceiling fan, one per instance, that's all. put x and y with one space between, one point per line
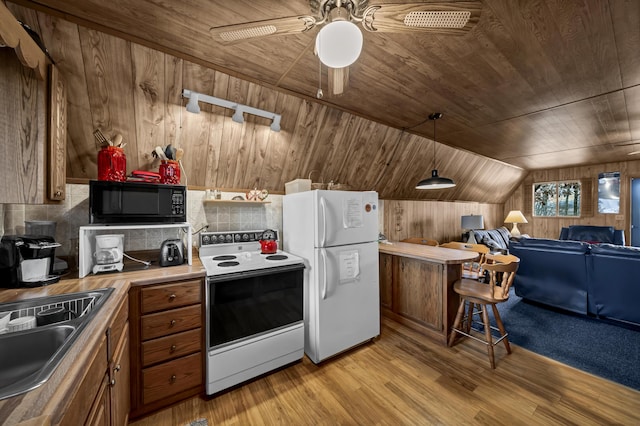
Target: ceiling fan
339 41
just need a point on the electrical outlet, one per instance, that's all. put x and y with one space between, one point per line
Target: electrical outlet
620 217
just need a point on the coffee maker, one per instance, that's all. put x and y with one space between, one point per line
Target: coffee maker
27 261
109 252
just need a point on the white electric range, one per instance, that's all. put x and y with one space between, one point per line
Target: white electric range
254 308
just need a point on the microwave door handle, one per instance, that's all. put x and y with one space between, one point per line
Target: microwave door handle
323 221
323 254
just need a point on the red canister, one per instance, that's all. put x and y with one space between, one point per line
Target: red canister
169 172
112 164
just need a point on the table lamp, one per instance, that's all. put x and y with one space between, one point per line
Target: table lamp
515 217
470 223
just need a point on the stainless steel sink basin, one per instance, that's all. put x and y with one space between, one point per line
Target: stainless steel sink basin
29 357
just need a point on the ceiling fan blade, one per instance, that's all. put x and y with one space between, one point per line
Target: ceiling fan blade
454 18
338 80
230 34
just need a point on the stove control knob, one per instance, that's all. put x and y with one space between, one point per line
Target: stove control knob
205 240
229 238
245 237
214 239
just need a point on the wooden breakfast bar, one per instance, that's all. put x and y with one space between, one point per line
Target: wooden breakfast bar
416 286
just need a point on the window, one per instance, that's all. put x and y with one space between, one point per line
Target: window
609 192
551 199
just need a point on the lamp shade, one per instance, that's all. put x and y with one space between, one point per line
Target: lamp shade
435 182
339 44
515 216
472 222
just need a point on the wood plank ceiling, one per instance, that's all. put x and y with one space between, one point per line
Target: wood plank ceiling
535 84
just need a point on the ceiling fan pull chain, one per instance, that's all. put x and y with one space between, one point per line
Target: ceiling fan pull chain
319 93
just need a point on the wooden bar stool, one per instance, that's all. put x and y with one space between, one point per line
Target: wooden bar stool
475 293
420 240
472 270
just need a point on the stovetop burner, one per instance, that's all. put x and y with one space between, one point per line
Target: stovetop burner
277 257
239 252
224 257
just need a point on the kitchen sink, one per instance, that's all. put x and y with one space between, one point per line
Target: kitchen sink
29 357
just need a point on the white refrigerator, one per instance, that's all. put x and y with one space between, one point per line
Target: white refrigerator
336 232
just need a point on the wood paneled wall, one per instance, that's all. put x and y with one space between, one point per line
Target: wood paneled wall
122 87
550 227
438 220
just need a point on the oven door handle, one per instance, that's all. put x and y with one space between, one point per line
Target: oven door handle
323 254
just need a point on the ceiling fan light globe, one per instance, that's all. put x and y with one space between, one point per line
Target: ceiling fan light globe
339 44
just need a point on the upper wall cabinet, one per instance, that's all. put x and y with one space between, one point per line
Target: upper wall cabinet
32 120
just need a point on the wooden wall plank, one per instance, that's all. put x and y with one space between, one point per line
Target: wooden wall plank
150 102
109 76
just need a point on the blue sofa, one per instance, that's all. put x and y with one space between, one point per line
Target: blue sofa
599 280
614 285
593 234
552 272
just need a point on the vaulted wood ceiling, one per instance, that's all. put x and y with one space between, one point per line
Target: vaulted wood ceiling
535 84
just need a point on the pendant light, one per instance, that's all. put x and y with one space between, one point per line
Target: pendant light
435 181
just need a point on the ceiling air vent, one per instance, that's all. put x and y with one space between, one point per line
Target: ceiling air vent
248 33
437 19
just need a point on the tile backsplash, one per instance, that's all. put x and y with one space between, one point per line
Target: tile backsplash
74 212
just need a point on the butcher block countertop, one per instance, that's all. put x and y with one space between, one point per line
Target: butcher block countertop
428 253
38 406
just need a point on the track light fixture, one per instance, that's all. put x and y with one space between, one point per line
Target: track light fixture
239 109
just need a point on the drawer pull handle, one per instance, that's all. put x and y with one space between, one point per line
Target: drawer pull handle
173 296
173 348
173 379
172 323
113 382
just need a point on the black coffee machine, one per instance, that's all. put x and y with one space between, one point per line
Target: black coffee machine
27 261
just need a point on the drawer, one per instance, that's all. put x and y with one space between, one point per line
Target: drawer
171 347
169 296
172 321
165 380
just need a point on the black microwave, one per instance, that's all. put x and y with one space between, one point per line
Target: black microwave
136 202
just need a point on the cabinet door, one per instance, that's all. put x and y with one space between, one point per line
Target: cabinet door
386 279
419 292
57 135
120 382
100 411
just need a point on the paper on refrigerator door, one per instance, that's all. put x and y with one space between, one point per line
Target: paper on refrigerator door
352 212
349 266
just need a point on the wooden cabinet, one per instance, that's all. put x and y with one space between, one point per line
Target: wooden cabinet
57 136
167 344
32 133
386 280
419 293
33 119
103 396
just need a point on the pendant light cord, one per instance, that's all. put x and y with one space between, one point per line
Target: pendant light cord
434 144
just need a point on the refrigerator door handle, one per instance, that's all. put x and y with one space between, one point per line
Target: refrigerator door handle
323 208
323 254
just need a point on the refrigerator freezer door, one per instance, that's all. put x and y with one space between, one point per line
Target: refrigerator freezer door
345 217
346 288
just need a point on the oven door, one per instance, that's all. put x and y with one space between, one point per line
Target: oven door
246 304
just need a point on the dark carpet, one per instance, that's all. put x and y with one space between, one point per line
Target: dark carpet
604 348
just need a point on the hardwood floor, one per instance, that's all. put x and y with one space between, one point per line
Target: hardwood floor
404 378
